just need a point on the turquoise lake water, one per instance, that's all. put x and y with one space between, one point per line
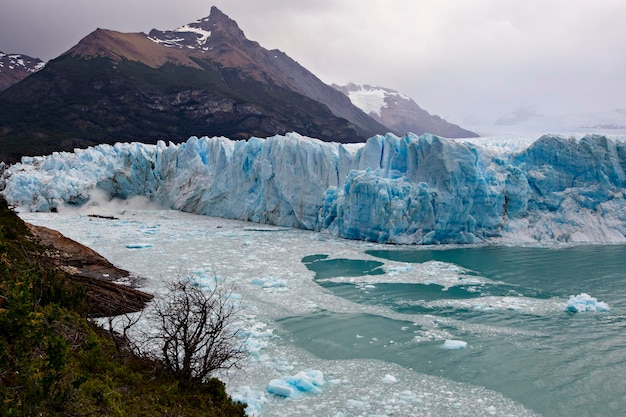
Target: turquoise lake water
554 362
374 318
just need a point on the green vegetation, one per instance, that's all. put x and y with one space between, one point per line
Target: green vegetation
54 362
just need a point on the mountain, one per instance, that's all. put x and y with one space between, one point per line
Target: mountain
15 67
406 190
221 39
205 78
399 112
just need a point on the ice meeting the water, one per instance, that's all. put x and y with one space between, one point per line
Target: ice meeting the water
412 275
408 190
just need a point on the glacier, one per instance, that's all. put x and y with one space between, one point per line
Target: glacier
404 190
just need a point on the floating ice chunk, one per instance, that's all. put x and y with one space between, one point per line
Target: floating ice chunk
584 302
390 379
454 344
257 337
253 398
138 245
407 397
281 388
269 282
399 269
355 404
292 386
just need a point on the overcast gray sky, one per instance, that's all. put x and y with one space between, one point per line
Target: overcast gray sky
456 58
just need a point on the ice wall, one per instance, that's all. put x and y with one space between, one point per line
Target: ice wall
410 189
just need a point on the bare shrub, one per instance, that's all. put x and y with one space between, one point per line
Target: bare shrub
119 328
195 330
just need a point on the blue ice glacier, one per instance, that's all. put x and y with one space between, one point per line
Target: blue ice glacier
409 190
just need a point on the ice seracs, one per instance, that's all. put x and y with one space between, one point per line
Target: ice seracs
407 190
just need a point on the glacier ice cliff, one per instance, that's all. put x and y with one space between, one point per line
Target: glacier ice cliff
408 190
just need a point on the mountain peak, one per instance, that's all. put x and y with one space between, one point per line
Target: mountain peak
16 67
224 24
197 35
218 15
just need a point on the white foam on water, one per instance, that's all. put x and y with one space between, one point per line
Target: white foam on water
528 305
431 272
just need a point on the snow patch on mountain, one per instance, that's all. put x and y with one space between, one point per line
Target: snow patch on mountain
20 62
16 67
399 112
184 36
372 99
408 190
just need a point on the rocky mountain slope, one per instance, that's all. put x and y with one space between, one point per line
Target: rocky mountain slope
399 112
15 67
202 79
219 38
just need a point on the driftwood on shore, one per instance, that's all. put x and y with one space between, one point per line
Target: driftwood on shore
105 296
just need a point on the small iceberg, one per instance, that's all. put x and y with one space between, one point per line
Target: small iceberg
454 344
138 246
583 302
390 379
269 282
303 382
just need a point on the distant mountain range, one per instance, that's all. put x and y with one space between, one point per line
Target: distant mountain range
15 67
399 112
528 121
204 78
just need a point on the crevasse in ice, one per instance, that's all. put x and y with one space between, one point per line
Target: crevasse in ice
411 190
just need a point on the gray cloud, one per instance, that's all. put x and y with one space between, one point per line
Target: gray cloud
456 58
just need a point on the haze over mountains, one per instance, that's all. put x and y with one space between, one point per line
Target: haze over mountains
526 120
205 78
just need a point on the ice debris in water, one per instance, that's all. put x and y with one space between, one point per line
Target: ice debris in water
390 379
292 386
454 344
269 282
253 399
584 302
138 246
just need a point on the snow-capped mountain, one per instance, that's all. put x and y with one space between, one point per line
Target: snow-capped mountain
391 189
399 112
221 39
204 78
16 67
